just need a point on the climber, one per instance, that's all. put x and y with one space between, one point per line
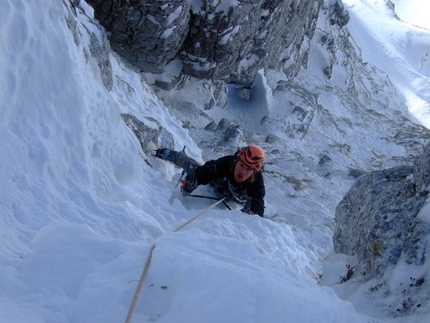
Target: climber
238 177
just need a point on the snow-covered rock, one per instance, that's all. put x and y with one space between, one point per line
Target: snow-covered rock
383 222
221 40
147 33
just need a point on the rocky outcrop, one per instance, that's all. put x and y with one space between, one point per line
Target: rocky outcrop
148 131
147 33
219 40
233 43
377 219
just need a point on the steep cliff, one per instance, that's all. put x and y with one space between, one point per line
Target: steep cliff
218 40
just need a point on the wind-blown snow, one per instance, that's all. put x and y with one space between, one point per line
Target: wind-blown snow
399 48
413 11
81 204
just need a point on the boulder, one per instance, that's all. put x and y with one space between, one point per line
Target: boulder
377 221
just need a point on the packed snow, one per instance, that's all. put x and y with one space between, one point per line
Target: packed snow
398 47
413 11
82 205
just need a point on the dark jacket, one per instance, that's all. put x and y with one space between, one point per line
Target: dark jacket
220 174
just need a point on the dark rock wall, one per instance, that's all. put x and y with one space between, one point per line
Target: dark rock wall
147 33
213 39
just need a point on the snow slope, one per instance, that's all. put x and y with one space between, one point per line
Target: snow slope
82 206
397 47
81 209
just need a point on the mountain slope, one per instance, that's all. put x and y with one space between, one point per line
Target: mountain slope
82 203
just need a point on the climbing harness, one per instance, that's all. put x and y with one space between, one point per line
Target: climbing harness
235 195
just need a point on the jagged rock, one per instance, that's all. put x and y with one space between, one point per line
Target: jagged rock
272 138
422 170
244 93
377 219
149 133
211 126
339 15
223 124
214 40
233 134
100 52
356 173
324 160
211 93
234 45
147 33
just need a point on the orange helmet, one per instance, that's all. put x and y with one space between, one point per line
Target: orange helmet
252 157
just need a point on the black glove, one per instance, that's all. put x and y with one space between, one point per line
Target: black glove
190 182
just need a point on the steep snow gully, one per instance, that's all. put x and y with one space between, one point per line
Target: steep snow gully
82 199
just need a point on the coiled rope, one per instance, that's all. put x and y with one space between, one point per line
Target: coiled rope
148 261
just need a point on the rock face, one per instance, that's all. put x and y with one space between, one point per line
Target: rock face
148 135
147 33
377 219
219 40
